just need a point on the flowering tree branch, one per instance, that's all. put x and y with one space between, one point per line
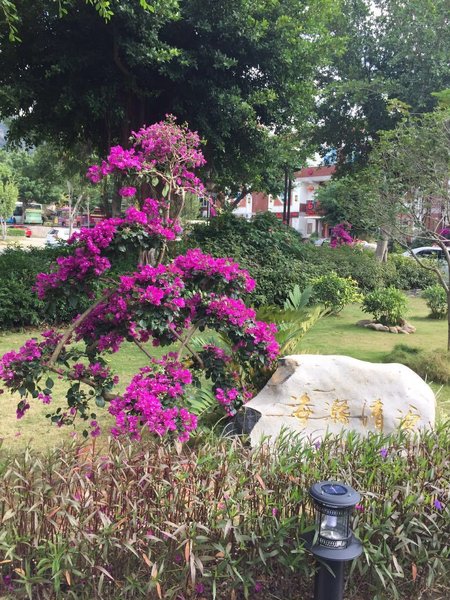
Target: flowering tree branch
164 303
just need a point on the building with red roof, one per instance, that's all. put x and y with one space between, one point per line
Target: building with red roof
305 214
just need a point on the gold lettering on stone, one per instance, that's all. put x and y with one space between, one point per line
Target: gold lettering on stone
377 414
409 421
364 418
304 410
339 411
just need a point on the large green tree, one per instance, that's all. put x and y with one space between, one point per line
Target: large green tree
344 199
241 72
408 179
10 15
395 50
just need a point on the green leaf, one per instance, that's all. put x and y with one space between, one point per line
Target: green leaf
49 383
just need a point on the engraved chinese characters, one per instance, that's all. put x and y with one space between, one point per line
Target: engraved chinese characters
314 394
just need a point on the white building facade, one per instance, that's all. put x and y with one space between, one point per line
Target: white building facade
305 216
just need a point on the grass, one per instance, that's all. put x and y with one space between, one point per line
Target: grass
331 335
339 335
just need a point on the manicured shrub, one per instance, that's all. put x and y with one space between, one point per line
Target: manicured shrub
362 266
19 305
436 299
334 292
221 520
432 365
387 305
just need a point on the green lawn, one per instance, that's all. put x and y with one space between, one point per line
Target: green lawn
331 335
340 335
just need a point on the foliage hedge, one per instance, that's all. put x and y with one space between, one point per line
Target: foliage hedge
11 232
217 519
278 259
19 305
273 253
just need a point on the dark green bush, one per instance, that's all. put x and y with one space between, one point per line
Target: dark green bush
436 299
269 250
277 258
19 305
360 265
404 273
387 305
141 521
432 365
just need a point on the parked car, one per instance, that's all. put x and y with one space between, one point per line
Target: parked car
426 252
27 230
322 242
431 253
59 235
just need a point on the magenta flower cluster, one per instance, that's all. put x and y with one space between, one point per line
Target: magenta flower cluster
196 266
149 402
340 235
161 147
88 261
19 368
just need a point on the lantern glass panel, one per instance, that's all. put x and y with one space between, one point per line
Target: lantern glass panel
333 527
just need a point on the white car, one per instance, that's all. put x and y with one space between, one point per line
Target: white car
322 242
58 235
426 252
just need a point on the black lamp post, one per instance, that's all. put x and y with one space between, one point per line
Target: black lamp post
333 542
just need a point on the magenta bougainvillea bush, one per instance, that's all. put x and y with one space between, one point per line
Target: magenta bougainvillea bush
340 235
161 303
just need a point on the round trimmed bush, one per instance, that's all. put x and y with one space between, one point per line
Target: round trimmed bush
334 292
436 298
388 306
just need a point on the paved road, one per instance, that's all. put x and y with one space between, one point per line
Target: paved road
23 243
37 239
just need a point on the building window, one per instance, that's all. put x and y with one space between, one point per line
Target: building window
309 228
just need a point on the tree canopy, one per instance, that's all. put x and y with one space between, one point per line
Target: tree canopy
242 73
408 180
396 54
42 173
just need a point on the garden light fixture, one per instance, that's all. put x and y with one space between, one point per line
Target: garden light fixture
333 543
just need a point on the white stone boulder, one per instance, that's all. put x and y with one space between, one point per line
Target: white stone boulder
315 394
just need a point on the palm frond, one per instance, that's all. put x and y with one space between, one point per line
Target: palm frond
297 299
201 401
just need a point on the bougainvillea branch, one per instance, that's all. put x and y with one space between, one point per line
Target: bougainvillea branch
70 330
161 304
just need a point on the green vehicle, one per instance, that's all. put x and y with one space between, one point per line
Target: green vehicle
33 214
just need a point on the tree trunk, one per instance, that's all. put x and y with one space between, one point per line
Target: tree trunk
382 247
448 319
